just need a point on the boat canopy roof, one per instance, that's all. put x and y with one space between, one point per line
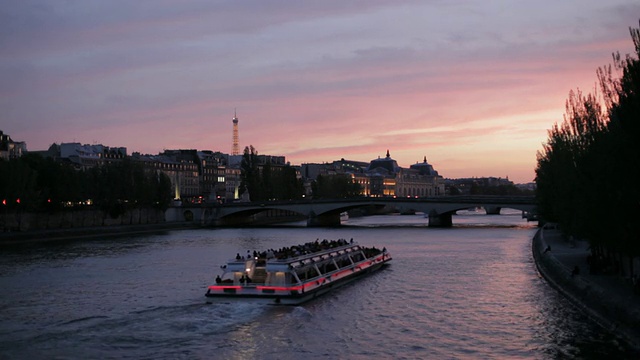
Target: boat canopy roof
307 259
321 252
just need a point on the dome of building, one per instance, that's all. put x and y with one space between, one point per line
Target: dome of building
424 168
386 165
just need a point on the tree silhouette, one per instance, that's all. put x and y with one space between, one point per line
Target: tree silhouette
586 171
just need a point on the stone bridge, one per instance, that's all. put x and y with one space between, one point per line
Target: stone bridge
327 212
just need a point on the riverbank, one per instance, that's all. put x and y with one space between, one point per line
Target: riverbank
609 300
21 237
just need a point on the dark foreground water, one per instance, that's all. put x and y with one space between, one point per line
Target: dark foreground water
471 291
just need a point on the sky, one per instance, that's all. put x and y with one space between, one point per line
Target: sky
473 86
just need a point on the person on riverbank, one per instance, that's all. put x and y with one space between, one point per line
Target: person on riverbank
575 271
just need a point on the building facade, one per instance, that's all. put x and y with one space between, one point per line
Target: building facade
10 149
420 180
383 177
181 171
86 156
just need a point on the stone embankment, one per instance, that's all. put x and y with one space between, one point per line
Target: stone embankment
68 219
27 227
20 237
610 300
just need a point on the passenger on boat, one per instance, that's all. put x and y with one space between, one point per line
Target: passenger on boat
238 257
245 279
218 279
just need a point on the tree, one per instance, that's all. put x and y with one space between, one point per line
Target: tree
624 142
18 190
162 190
586 171
268 182
290 186
250 173
335 187
44 184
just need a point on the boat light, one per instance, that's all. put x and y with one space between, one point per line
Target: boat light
223 287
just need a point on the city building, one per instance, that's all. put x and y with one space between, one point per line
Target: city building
84 156
466 186
212 169
382 176
197 176
181 170
232 183
10 149
420 180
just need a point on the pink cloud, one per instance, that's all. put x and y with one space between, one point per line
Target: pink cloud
313 82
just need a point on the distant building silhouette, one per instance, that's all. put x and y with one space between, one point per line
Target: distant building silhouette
199 176
382 176
10 149
84 156
465 186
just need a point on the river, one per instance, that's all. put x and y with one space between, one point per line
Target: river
466 292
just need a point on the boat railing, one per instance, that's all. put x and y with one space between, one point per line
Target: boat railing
299 257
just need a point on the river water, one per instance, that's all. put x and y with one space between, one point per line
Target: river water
467 292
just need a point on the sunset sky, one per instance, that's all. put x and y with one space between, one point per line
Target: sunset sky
471 85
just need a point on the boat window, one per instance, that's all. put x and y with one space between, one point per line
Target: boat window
307 273
345 262
329 267
357 257
277 278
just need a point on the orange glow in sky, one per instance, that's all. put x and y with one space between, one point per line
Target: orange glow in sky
473 86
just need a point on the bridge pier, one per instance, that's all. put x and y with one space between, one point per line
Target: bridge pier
322 220
440 220
492 210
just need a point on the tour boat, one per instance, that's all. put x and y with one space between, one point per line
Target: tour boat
293 275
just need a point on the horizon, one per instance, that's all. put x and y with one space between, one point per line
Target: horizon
473 87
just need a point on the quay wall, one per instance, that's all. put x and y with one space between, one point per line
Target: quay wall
71 219
606 305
